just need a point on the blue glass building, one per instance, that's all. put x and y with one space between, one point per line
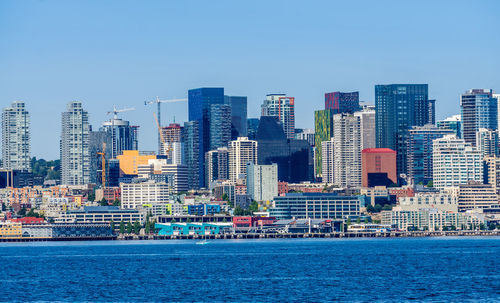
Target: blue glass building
398 108
479 110
238 115
199 104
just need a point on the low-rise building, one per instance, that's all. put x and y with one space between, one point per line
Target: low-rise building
442 202
476 195
9 229
101 214
138 194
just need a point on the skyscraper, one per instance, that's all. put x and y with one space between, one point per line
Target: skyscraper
479 110
216 165
96 141
241 152
283 107
453 123
220 125
16 153
487 142
367 125
419 148
399 107
238 115
262 181
347 150
75 157
323 131
252 126
172 144
200 101
340 102
192 151
123 136
327 164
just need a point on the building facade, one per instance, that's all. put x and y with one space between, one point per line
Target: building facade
283 107
123 136
487 142
378 167
453 123
238 106
455 162
398 108
191 154
75 157
347 150
479 110
323 131
340 102
241 152
262 181
136 195
16 138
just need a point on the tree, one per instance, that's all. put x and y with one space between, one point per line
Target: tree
366 220
22 212
387 207
378 208
188 220
358 220
173 220
430 184
253 207
122 227
91 196
348 221
129 228
116 202
4 208
370 208
112 223
147 228
32 213
104 202
137 227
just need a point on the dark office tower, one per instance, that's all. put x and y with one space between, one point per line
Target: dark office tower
293 157
479 110
192 152
419 147
97 141
398 108
342 102
252 126
238 115
199 102
283 107
220 125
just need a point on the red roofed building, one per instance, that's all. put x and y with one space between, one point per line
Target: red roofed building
29 220
378 167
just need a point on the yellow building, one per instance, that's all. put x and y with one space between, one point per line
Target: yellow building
10 229
131 159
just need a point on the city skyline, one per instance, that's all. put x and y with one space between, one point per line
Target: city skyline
156 54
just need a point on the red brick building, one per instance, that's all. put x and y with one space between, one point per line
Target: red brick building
378 167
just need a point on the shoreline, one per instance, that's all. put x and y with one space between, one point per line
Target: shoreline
242 236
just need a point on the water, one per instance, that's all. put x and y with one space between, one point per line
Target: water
386 270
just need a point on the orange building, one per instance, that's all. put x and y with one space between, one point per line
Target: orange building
378 167
130 160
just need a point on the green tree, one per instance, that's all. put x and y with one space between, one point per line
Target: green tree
430 184
116 202
104 202
348 221
173 220
370 208
358 220
112 223
4 208
129 228
22 212
122 227
32 213
378 208
253 207
366 220
188 220
137 227
387 207
91 196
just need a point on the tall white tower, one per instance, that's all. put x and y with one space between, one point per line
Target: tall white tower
16 149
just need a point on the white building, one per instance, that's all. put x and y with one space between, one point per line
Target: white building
455 162
442 202
75 157
16 152
347 150
241 152
138 194
487 142
367 125
262 181
327 156
178 177
283 107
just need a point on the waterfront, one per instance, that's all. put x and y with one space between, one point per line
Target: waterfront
424 269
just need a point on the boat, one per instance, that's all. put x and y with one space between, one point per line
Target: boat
202 242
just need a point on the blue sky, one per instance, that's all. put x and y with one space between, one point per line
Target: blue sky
121 53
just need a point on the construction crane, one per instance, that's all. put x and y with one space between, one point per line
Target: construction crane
162 139
103 164
159 101
115 113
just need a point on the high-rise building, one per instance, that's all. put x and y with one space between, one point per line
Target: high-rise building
398 108
220 125
177 177
455 162
367 124
262 181
171 133
347 150
99 141
216 165
432 112
327 164
283 107
497 96
453 123
294 157
75 157
200 101
419 150
124 136
378 167
479 110
191 153
238 115
16 152
340 102
323 131
252 127
487 142
305 134
241 152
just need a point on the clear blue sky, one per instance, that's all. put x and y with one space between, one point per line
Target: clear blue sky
107 53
